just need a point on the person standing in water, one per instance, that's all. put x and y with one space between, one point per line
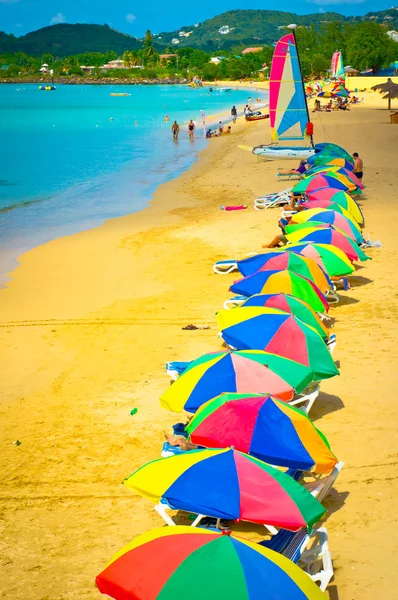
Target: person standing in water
234 114
175 128
191 130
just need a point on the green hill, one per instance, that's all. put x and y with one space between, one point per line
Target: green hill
246 28
65 40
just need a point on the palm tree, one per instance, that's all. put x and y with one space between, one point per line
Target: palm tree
389 88
130 58
149 52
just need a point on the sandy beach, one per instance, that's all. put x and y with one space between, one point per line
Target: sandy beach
88 322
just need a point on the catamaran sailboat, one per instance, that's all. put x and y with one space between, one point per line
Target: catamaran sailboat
288 110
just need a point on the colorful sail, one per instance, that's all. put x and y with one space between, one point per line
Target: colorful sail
337 65
287 103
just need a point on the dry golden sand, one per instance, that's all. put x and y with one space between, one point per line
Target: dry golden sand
89 321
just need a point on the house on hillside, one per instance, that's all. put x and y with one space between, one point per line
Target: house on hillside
89 70
251 50
393 35
165 58
217 59
115 64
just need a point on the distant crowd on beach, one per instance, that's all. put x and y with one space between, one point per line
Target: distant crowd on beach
217 131
335 104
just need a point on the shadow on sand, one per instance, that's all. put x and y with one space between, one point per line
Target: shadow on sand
325 404
345 301
358 280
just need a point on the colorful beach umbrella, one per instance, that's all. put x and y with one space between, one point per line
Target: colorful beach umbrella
332 260
329 148
227 484
329 236
344 175
199 564
263 427
329 160
293 227
292 305
256 328
285 281
328 205
347 224
248 371
306 267
315 182
339 197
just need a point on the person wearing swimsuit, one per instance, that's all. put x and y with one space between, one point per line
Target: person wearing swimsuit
191 129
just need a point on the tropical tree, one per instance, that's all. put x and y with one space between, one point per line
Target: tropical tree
369 46
149 53
130 58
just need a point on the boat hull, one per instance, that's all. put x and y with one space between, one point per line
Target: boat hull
278 152
257 118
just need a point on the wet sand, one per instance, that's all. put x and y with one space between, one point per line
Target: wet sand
89 321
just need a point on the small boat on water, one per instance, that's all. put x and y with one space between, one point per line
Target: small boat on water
256 116
47 88
225 90
289 116
116 94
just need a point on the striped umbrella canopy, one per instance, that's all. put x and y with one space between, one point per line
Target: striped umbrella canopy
329 236
331 160
329 148
326 216
332 260
328 205
336 197
293 227
341 173
306 267
198 564
256 328
285 281
290 304
227 484
264 427
247 371
321 180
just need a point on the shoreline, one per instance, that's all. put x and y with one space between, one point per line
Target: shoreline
92 221
104 310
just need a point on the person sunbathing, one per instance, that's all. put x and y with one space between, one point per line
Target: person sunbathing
301 169
181 441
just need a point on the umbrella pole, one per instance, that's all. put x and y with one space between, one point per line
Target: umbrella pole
389 101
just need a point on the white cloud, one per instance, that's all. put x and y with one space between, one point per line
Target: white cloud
336 2
130 18
59 18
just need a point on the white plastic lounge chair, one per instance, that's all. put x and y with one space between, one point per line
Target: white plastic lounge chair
293 176
175 368
311 552
234 301
320 488
332 296
223 267
332 343
272 200
305 401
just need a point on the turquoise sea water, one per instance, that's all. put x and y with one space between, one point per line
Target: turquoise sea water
71 158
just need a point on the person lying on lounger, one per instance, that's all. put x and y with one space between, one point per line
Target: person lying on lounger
301 169
181 441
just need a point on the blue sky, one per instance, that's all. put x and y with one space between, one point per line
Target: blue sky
134 17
